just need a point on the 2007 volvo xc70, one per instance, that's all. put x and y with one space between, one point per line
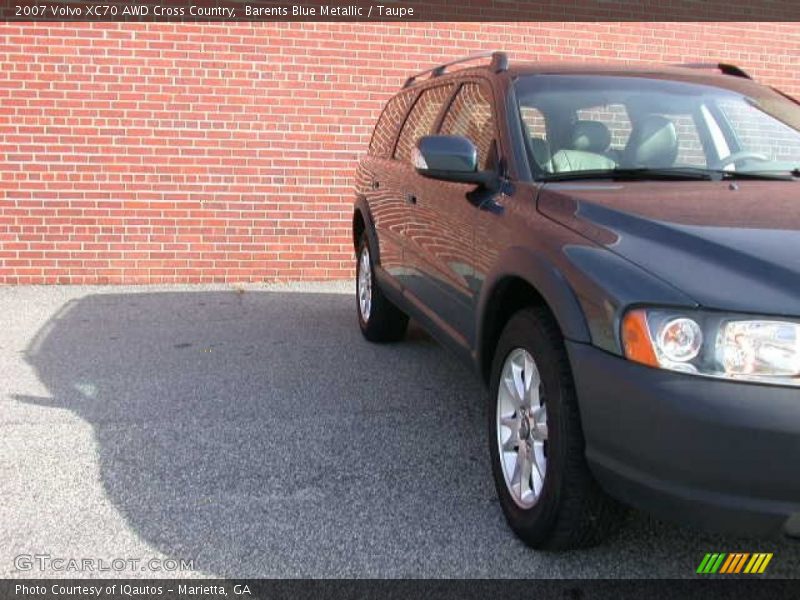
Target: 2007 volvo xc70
616 250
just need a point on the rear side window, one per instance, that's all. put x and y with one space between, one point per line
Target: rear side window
470 116
421 120
388 124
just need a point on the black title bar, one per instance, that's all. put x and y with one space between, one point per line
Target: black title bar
393 10
752 588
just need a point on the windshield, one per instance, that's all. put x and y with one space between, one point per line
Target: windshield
598 124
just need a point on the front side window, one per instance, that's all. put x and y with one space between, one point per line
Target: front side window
421 120
760 133
470 116
610 124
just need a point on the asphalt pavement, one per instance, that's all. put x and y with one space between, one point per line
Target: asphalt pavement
254 432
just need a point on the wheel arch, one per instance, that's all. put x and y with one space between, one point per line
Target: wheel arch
358 227
525 279
362 223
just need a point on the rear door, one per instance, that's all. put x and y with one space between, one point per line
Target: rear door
440 237
377 181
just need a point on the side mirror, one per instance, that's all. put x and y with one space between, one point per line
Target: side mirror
450 158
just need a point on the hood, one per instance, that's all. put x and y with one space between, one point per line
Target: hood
729 246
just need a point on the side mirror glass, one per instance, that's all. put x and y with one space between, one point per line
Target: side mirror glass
449 158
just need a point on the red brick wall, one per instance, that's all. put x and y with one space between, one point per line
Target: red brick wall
185 153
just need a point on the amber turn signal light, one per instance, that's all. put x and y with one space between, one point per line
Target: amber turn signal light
636 339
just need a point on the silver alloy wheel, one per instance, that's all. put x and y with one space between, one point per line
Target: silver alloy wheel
364 285
522 428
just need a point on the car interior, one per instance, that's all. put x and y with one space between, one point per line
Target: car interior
629 129
570 143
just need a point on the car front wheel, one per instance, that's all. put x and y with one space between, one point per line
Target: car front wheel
546 491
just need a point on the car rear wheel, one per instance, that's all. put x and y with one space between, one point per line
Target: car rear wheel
378 318
546 491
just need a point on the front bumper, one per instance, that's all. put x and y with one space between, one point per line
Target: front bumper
717 454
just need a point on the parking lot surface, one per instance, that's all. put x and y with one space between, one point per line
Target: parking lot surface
253 431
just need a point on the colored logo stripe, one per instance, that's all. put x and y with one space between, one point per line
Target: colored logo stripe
734 563
758 564
711 563
731 560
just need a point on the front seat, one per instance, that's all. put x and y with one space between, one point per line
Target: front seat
588 144
541 154
653 143
537 148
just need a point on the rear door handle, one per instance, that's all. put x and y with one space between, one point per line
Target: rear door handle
376 184
411 198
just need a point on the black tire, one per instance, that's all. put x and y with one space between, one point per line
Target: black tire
384 322
571 511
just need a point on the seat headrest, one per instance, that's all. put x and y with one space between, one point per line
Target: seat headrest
590 136
653 143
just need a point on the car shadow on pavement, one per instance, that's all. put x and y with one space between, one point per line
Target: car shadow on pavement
258 434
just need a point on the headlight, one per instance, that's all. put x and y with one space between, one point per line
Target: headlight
679 340
714 344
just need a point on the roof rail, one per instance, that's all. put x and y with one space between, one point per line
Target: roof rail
785 95
725 68
498 63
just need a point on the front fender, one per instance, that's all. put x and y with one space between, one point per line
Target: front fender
540 274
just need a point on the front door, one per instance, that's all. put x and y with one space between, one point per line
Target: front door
440 231
421 121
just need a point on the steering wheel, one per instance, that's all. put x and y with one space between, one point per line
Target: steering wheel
739 156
